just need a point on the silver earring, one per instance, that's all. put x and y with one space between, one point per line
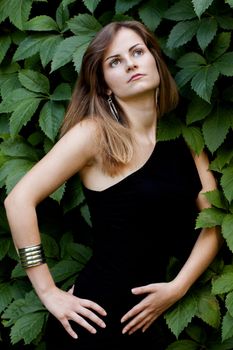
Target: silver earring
113 109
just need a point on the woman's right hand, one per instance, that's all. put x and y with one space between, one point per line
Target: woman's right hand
66 307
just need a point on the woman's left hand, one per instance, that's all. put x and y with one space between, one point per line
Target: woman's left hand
159 297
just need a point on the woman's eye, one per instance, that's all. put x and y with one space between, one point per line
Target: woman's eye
114 62
137 52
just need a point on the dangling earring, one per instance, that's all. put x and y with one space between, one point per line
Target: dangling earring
113 109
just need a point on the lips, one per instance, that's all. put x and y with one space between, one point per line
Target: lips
136 77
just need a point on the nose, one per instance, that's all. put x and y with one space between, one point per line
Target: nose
130 64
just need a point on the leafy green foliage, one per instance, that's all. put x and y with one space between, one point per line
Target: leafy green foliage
41 49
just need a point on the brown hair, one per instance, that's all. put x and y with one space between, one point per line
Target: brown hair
89 97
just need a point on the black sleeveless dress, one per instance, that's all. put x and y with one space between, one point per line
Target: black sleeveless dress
138 224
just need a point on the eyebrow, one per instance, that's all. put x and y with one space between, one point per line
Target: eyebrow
117 55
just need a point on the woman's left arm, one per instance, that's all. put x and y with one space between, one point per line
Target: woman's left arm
160 296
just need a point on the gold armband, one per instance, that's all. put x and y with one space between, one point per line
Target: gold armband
31 256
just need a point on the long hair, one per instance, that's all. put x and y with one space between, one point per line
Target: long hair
89 98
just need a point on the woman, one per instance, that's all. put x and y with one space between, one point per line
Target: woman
143 197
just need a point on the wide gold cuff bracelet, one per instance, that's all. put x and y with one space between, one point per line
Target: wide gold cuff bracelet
31 256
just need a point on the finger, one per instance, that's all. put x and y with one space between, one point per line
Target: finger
148 324
142 290
82 322
134 323
92 305
91 316
69 329
133 312
71 290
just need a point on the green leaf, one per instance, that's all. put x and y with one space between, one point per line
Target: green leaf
180 11
10 83
122 6
41 23
209 217
62 92
5 295
229 303
62 16
191 60
216 198
48 48
19 12
227 230
4 9
227 326
198 109
29 47
194 138
206 32
203 81
183 345
51 116
84 25
64 51
79 252
74 194
23 166
86 214
151 14
208 308
223 158
223 283
14 98
4 247
79 52
201 6
182 33
215 128
225 22
28 327
34 81
185 75
169 128
178 317
229 2
91 4
219 45
5 42
65 269
227 183
22 114
224 64
58 194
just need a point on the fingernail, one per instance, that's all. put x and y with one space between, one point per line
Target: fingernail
124 331
93 331
103 325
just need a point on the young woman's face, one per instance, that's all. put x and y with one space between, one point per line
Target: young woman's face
129 67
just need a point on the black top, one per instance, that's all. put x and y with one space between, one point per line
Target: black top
145 218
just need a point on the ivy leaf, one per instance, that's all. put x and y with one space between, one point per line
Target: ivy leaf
50 119
86 214
22 114
203 81
223 158
215 128
223 283
183 345
84 25
206 32
23 166
229 2
62 92
34 81
29 47
74 194
48 48
208 308
64 51
209 217
227 183
178 317
169 128
5 295
227 326
79 252
224 64
18 148
201 6
229 303
182 33
216 198
227 230
194 138
5 42
219 45
151 13
4 10
65 269
91 4
79 52
180 11
28 327
58 194
123 6
198 109
51 248
19 12
41 23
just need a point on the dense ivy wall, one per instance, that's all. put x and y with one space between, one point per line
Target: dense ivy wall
41 46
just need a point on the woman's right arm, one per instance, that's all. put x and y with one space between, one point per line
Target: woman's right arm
69 155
